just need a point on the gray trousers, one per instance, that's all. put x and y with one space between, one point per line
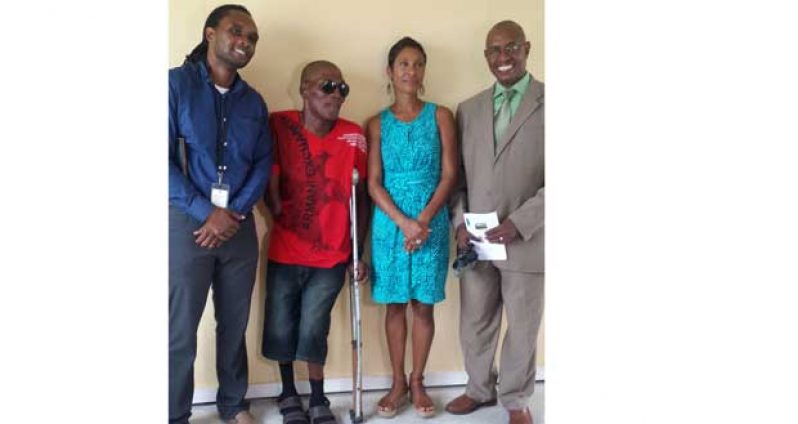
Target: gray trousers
484 291
230 271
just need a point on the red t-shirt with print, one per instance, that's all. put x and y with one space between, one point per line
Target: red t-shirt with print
315 177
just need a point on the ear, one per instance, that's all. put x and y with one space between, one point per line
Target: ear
209 33
527 47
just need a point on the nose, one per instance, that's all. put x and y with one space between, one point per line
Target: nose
244 44
503 55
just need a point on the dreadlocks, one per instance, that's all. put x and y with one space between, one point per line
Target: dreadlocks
200 52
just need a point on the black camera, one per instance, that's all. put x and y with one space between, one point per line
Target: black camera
466 258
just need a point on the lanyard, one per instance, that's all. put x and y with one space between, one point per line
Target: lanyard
221 134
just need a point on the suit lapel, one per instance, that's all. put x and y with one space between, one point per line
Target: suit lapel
528 105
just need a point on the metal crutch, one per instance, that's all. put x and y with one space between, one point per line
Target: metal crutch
356 413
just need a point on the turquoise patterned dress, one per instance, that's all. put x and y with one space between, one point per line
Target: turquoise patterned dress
411 165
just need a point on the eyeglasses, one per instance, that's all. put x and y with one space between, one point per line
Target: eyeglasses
329 86
510 49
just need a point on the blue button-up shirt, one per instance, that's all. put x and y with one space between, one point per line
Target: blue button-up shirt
235 123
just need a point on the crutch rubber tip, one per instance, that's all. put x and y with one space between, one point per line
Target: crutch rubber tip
355 418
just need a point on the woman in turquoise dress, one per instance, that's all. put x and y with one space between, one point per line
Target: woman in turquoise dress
412 170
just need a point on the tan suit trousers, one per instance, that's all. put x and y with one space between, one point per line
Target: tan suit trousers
484 290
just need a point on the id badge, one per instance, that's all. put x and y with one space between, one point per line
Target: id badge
219 195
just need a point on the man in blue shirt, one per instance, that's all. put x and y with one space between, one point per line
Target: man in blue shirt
220 154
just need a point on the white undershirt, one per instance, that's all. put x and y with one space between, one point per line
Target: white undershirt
221 89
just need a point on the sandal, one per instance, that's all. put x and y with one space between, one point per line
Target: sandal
425 407
321 413
388 408
291 409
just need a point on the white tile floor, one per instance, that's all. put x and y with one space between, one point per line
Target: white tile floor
265 410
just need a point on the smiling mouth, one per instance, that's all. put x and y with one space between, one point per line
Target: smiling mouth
241 52
505 68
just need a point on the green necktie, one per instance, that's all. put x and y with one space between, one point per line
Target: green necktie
502 118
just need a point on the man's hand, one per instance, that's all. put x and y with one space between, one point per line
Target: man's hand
505 233
206 239
463 237
220 226
362 274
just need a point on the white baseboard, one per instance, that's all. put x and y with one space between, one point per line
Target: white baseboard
344 385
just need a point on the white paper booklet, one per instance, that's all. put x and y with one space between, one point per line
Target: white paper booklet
477 224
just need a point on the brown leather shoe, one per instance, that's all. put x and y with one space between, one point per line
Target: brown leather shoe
520 416
243 417
463 404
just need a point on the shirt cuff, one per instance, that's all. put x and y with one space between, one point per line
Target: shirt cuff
200 209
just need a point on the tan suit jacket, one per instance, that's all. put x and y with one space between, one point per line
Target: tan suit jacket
511 182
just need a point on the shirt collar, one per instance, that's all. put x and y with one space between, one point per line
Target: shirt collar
519 87
234 87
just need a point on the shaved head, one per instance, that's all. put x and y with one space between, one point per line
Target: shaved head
320 106
506 51
508 27
312 69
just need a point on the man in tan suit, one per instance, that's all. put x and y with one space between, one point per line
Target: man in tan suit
501 137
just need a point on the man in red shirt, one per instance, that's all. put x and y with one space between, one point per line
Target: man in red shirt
309 192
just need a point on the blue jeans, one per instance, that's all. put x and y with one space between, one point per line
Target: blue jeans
299 300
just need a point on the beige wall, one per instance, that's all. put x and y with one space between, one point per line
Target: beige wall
356 35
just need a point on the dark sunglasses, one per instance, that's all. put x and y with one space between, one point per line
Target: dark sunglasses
329 86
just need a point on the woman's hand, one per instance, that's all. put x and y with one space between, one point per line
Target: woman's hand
416 234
